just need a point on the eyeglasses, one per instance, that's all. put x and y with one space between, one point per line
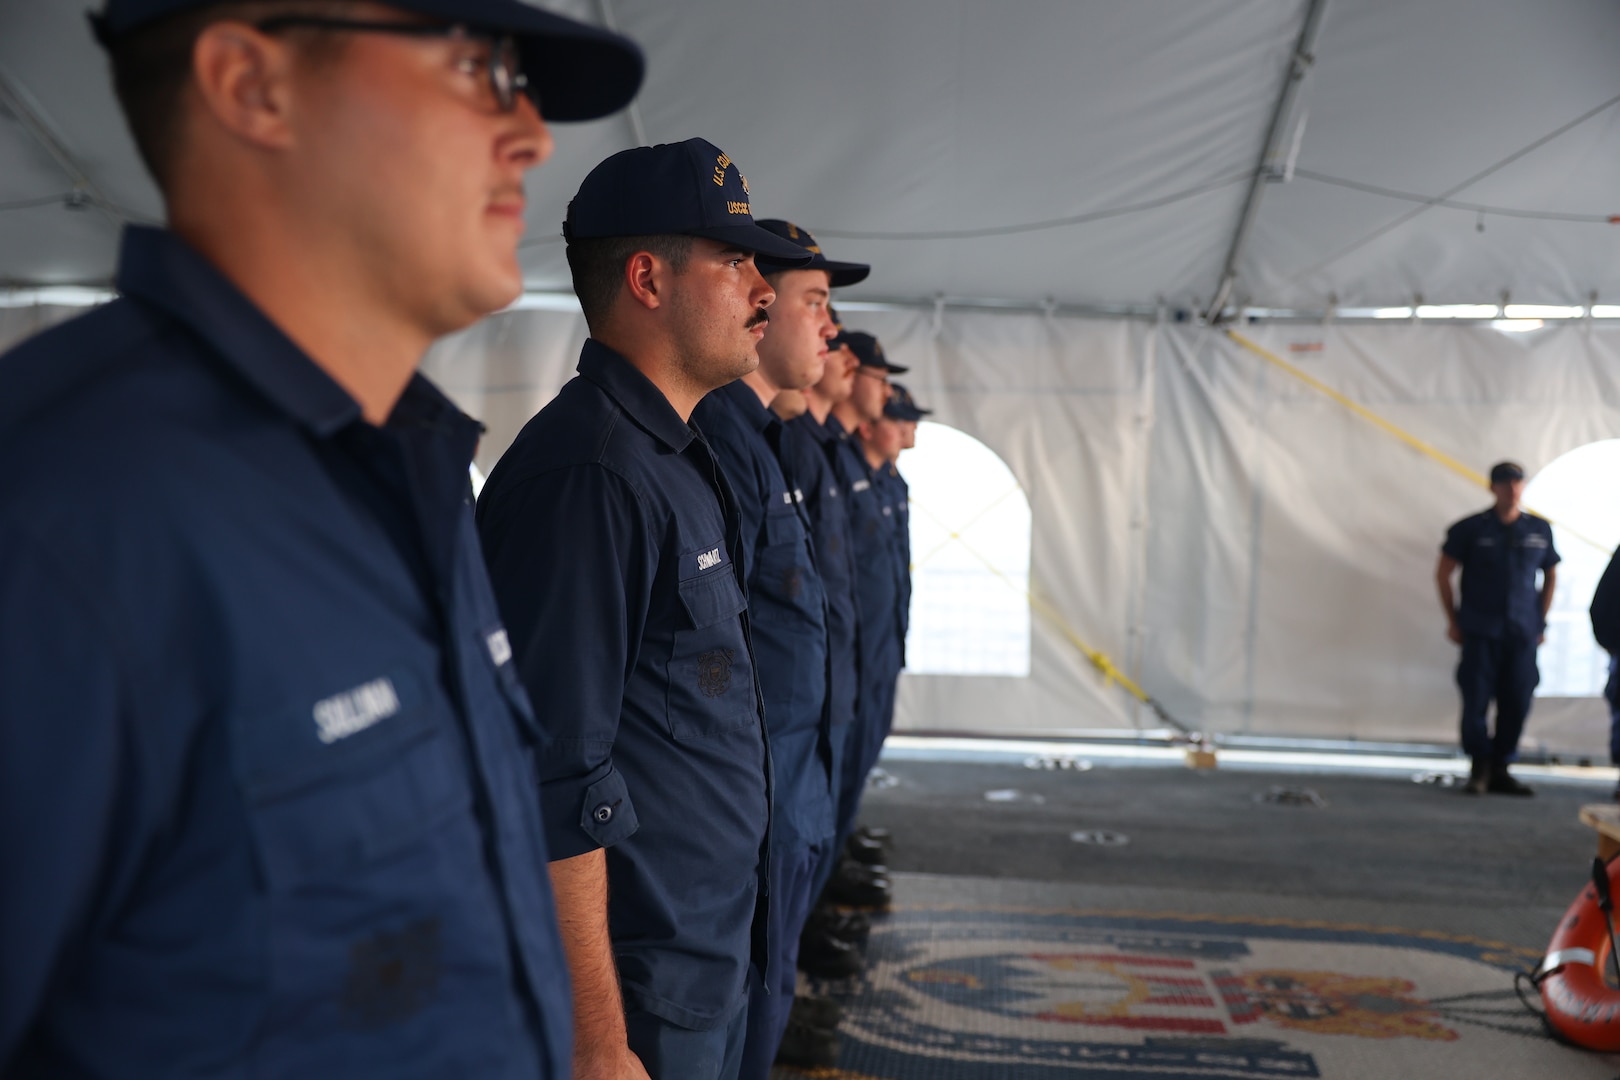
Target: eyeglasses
506 80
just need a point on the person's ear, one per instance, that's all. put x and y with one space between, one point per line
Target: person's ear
646 280
244 80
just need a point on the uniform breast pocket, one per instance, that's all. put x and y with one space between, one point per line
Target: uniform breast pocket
711 681
377 903
355 780
781 569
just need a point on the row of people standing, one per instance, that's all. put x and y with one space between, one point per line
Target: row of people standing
704 603
285 787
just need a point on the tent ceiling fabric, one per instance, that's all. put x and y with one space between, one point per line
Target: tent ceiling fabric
918 116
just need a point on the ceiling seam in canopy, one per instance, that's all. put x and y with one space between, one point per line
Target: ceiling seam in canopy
1299 62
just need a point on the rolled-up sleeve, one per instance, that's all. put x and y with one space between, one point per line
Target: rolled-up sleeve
572 564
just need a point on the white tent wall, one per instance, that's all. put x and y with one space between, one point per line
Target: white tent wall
1293 549
1063 402
1257 556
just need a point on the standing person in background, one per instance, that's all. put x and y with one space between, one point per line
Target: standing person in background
1605 612
787 612
614 543
266 794
1501 620
877 589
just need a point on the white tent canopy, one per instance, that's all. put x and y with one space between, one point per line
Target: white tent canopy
1258 556
1141 124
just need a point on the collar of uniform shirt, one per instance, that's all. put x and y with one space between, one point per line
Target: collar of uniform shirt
158 268
743 397
635 394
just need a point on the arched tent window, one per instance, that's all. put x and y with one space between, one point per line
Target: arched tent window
970 539
1580 492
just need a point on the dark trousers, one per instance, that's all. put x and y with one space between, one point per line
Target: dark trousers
1611 693
874 716
794 889
671 1052
1500 669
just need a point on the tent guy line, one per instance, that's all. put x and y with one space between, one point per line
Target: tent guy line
1452 204
1455 189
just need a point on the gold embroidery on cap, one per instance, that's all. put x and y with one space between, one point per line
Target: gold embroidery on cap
719 177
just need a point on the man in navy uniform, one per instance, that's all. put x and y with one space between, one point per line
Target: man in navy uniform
1499 622
906 414
873 527
266 792
828 944
614 543
787 611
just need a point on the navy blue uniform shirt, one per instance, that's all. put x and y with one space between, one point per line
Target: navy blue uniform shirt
787 609
877 579
1499 564
613 541
807 448
900 498
266 795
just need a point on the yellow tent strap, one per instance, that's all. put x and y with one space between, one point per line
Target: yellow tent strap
1100 660
1440 457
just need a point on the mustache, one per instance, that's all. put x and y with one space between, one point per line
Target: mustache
760 318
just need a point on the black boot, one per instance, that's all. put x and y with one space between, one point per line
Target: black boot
859 886
825 956
864 850
816 1011
1501 782
849 926
806 1045
1479 777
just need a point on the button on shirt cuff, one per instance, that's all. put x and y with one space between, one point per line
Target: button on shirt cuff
586 813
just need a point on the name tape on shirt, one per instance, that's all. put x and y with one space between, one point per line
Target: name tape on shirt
708 560
352 711
860 485
500 646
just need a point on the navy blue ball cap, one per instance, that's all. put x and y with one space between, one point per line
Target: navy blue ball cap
689 188
841 273
902 406
576 71
870 353
1506 471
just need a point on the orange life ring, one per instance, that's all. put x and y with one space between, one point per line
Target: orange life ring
1580 1003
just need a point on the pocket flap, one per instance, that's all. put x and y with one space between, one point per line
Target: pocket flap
711 598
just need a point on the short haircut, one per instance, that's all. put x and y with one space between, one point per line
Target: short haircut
152 67
597 266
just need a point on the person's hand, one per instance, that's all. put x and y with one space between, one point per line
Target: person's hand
1454 633
618 1063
